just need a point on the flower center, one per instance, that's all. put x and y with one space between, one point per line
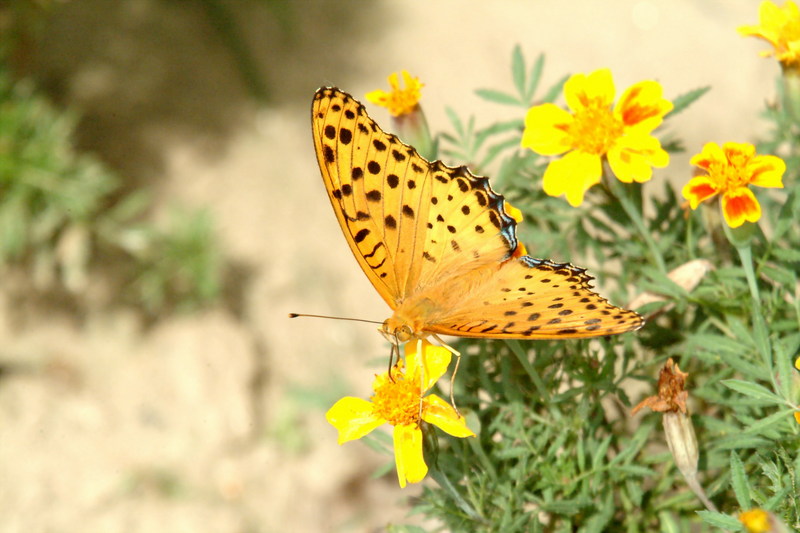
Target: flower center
730 174
595 129
397 402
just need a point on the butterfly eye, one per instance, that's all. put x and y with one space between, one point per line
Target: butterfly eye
404 333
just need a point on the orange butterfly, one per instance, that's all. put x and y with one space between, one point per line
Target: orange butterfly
438 245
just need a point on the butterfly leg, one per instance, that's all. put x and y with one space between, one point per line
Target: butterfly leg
391 360
455 370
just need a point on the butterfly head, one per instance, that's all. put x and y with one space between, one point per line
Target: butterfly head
397 333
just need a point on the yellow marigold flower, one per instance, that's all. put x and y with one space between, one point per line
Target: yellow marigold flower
761 521
593 131
779 26
797 413
396 401
398 101
729 170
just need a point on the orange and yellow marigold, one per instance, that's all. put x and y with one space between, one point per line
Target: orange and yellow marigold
592 131
729 171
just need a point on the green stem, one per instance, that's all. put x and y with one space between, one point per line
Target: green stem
620 192
759 324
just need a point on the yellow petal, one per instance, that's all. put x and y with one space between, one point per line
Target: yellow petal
740 205
438 412
711 153
572 175
643 105
766 171
546 130
353 418
633 157
699 189
377 97
738 152
435 358
596 89
797 416
408 456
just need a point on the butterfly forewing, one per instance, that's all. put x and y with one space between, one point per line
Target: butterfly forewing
399 212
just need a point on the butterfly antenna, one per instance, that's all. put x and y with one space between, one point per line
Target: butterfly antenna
296 315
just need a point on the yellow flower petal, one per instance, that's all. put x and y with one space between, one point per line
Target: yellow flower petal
779 26
411 467
596 89
634 156
442 415
643 105
513 212
435 358
547 130
699 189
353 418
797 416
766 171
740 205
711 152
572 175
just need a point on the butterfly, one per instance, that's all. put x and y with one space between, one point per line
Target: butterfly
438 245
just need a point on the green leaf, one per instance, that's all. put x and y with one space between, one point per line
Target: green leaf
720 520
498 97
781 416
739 482
518 69
533 78
753 390
554 91
686 99
455 121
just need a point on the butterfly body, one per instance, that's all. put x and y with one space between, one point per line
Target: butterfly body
438 244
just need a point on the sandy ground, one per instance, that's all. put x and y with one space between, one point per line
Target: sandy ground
215 421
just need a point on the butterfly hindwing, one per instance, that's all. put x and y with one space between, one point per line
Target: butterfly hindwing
536 299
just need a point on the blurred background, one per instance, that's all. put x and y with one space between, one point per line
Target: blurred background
161 212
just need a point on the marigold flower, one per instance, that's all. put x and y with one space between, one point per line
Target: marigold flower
797 413
396 401
729 170
593 131
779 26
398 101
761 521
